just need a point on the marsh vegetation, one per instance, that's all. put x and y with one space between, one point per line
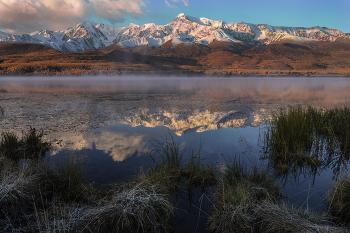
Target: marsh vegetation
38 194
305 140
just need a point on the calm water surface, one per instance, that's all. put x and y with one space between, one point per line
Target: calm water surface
113 120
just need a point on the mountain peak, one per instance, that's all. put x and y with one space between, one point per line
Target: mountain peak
183 29
181 15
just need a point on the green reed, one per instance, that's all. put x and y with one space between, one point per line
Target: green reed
302 140
169 166
31 145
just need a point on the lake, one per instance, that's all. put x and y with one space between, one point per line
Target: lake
114 120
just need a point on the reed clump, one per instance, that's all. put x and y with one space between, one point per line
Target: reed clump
302 140
280 217
198 173
30 146
64 179
46 196
338 201
49 196
241 189
250 200
144 207
169 167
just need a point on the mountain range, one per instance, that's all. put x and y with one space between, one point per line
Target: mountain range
183 29
184 46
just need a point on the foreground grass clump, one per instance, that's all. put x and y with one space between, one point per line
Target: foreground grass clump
303 140
16 184
30 146
64 178
169 168
338 201
143 207
249 200
339 121
241 189
47 196
280 217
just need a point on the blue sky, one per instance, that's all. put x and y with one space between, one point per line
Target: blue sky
307 13
24 16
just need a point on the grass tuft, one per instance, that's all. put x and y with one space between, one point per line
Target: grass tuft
241 189
17 184
65 178
304 140
198 173
249 200
169 168
338 201
30 146
142 208
271 217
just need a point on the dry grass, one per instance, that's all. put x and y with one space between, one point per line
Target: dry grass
275 59
249 200
338 201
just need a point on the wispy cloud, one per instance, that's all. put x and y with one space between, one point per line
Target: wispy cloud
185 2
23 16
115 11
169 5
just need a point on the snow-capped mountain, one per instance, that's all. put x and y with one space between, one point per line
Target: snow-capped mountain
182 122
183 29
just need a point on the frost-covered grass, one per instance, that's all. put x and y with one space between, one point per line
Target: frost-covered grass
40 195
16 184
338 200
249 200
280 217
241 188
142 208
50 197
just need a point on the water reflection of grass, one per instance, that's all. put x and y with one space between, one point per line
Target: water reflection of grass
304 140
38 195
338 200
41 195
169 167
250 200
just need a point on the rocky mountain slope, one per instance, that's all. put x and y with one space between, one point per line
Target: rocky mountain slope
183 29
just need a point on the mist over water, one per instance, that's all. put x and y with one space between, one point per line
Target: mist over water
320 91
111 119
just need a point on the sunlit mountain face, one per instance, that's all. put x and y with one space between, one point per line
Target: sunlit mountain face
187 46
183 29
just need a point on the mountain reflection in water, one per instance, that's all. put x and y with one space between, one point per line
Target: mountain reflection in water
114 118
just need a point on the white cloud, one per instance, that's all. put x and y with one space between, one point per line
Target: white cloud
169 5
114 11
24 16
185 2
118 145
